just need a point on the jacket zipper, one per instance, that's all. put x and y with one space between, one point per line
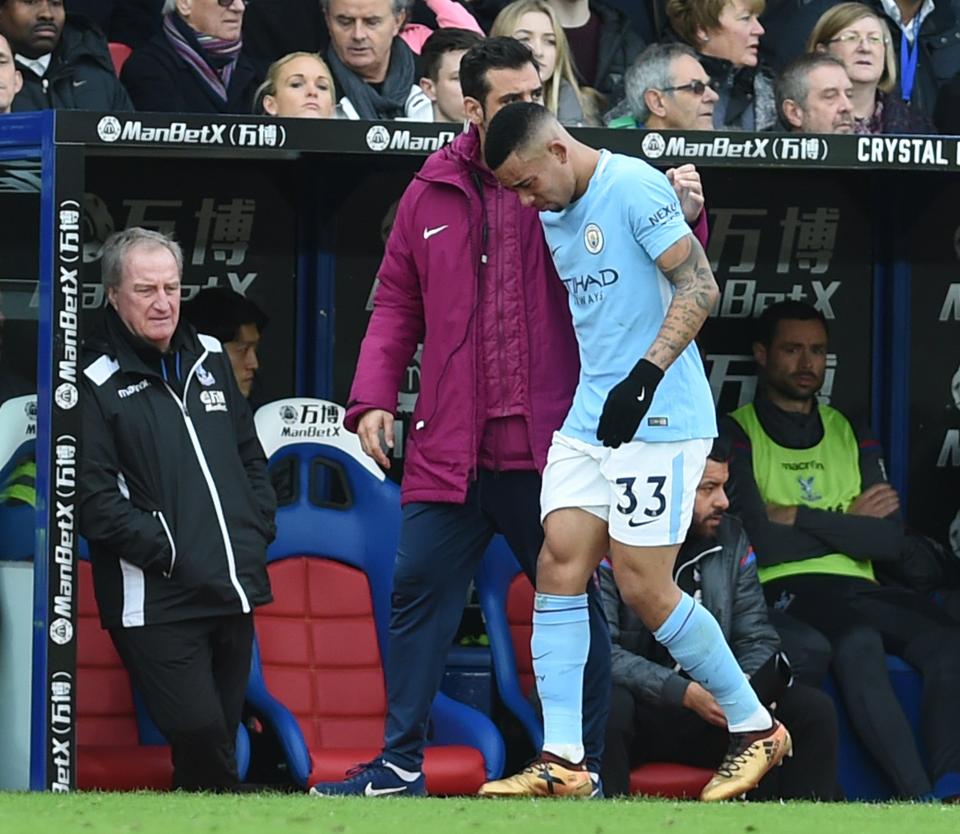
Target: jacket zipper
695 559
501 339
211 487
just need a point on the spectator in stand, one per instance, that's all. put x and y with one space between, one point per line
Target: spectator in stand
668 89
440 64
11 79
657 713
726 35
237 323
603 43
925 40
274 28
298 85
132 22
373 67
854 33
195 64
64 60
811 489
534 23
814 95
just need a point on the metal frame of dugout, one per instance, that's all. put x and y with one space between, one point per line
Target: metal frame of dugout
900 183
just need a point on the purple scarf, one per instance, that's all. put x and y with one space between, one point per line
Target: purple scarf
213 59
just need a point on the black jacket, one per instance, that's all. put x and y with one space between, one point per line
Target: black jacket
619 47
160 81
731 592
175 500
127 21
939 58
81 75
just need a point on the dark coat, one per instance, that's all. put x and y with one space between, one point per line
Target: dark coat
619 47
159 80
175 500
81 75
126 21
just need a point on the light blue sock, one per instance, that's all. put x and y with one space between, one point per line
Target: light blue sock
559 645
694 639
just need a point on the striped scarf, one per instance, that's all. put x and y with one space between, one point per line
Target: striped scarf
213 59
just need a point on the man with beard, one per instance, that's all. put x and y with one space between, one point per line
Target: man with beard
813 495
657 713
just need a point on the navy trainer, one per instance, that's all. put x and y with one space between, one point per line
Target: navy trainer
376 778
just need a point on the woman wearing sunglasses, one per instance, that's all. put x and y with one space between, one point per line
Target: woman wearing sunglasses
853 33
195 63
726 36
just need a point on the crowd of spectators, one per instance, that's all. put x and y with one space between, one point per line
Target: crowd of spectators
751 65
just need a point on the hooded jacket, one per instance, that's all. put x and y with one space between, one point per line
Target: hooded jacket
81 75
731 592
451 215
175 500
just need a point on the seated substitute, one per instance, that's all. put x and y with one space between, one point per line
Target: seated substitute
813 495
440 64
668 89
237 323
814 95
196 63
11 79
176 505
658 714
63 59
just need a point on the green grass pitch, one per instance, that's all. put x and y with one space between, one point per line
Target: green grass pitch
93 813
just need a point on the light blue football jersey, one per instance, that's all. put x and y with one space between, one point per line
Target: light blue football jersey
605 245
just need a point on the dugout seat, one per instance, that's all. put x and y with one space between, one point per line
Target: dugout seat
506 599
119 748
119 52
318 681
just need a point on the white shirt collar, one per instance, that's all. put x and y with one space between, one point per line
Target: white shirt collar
893 11
38 65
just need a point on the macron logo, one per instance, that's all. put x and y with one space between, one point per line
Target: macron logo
429 233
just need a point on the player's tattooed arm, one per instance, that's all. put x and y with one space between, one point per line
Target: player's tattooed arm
684 265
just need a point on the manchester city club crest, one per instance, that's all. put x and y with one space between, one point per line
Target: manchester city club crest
593 238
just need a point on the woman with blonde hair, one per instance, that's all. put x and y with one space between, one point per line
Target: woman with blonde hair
534 23
726 37
855 34
299 85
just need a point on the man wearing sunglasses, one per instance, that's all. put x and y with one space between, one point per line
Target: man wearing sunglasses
668 89
64 60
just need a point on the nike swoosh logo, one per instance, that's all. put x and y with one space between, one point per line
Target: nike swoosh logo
633 523
643 396
429 233
539 656
553 252
79 83
370 790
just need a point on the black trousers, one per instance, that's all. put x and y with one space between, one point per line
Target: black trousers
192 676
864 622
639 732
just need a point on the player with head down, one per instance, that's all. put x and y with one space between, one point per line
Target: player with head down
623 469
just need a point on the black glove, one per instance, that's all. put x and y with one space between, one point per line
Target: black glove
626 404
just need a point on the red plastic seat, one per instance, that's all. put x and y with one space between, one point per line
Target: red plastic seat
110 756
320 657
119 52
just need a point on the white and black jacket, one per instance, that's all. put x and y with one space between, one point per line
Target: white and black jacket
175 499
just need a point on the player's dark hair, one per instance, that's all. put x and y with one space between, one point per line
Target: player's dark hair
722 449
489 54
220 313
440 43
511 129
765 330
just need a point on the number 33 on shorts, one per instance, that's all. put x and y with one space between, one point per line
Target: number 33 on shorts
630 502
